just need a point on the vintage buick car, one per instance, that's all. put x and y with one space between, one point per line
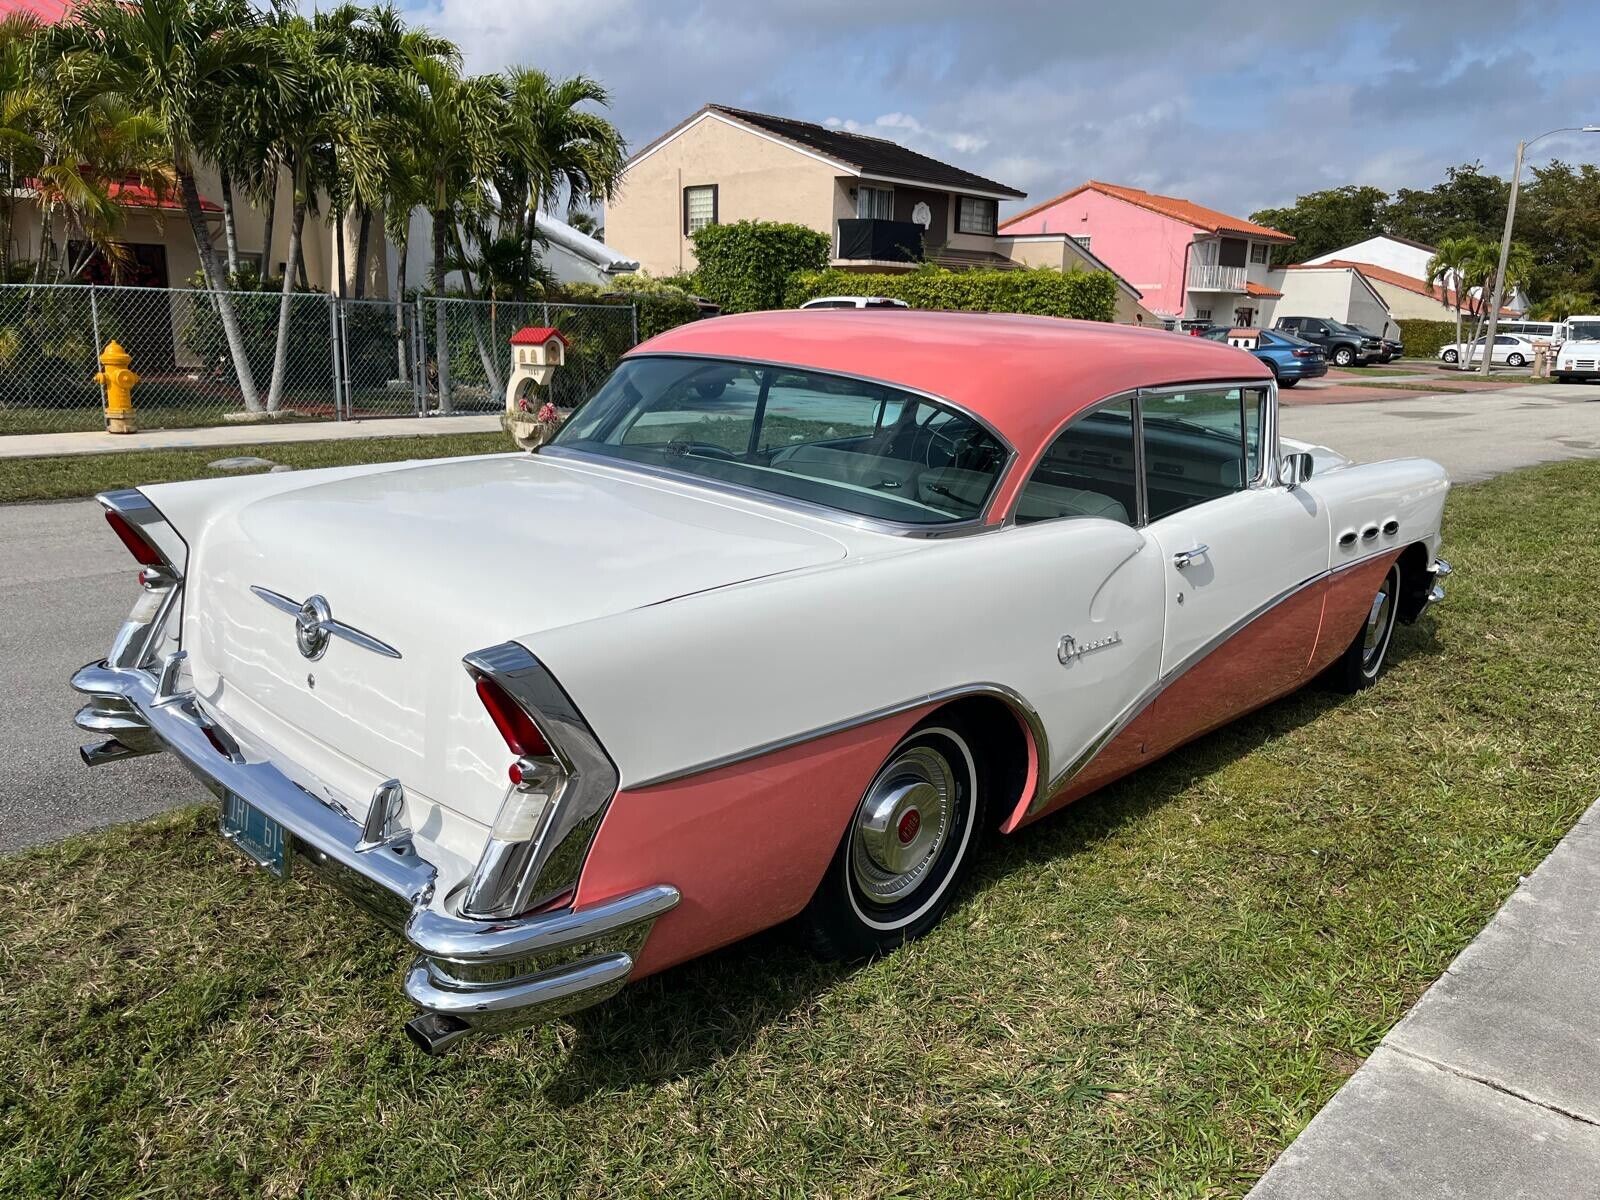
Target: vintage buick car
789 616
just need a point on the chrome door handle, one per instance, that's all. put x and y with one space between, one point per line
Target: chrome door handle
1184 557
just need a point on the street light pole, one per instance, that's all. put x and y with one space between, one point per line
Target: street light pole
1505 244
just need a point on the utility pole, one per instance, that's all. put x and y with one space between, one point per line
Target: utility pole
1505 244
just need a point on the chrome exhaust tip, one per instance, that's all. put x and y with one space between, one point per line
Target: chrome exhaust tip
434 1033
99 753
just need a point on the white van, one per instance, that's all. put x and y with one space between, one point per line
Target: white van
1580 354
1554 332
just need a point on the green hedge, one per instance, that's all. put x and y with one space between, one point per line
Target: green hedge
744 266
661 305
1089 295
1424 339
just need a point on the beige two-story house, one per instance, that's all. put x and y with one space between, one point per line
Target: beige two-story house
883 206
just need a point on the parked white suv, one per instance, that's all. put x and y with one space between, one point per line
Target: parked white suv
1579 358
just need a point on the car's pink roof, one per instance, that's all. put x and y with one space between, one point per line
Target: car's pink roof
1024 375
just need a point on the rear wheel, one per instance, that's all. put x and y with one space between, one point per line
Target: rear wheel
910 839
1287 382
1367 655
1450 356
1515 360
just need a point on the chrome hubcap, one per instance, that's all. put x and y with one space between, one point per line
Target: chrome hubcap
1376 638
903 824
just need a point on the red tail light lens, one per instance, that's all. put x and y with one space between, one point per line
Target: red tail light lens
138 545
521 734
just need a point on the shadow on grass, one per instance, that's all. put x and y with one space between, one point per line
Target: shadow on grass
673 1025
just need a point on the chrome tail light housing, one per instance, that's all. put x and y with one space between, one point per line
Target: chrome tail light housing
562 781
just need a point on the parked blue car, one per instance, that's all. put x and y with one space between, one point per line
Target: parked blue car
1291 359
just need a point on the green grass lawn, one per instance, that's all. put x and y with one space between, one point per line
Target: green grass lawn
69 475
1148 994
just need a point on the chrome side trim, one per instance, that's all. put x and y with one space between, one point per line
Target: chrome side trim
1009 696
514 876
328 625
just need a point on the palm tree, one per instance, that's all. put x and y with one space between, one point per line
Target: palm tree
21 104
1563 304
552 147
448 124
175 60
1448 267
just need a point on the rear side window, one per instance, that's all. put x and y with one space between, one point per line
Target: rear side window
1090 470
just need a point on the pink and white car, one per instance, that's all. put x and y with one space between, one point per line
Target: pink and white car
784 621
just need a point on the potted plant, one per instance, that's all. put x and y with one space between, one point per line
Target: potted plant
532 427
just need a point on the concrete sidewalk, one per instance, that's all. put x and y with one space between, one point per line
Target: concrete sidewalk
1490 1086
34 445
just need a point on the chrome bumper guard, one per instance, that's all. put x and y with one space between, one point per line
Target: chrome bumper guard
471 976
1441 570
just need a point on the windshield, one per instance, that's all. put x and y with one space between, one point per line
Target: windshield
1583 331
849 444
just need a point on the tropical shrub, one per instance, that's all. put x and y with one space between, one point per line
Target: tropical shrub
1089 295
1424 339
745 266
661 304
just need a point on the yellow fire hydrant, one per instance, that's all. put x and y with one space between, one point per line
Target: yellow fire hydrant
118 381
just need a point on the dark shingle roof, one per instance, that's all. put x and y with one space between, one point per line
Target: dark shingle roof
871 155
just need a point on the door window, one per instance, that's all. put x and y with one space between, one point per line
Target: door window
1199 445
1089 471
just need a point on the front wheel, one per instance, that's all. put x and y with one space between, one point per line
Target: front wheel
910 839
1363 662
1450 356
1343 356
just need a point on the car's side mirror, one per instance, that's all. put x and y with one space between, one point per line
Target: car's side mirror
1294 470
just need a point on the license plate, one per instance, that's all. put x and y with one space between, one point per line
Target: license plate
262 839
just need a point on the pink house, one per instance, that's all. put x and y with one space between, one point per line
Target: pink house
1192 263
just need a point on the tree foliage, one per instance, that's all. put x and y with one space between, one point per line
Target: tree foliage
744 266
1557 221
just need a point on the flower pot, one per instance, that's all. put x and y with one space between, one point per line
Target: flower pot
527 431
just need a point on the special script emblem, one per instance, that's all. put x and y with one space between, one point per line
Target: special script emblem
1070 648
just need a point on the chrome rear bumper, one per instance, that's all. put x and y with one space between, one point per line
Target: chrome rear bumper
470 976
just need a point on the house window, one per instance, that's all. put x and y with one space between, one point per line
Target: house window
875 203
1260 252
1083 239
1244 318
699 207
976 215
1202 314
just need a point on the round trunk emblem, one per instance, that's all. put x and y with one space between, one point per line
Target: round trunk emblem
310 627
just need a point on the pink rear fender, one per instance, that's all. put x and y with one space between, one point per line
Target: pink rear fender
746 844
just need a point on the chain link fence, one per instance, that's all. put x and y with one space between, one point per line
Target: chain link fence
341 359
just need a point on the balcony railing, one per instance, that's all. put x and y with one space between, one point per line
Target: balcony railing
1205 277
875 239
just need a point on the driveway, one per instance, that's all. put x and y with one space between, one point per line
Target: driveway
66 583
1474 436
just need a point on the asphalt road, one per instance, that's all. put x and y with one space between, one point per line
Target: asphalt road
66 583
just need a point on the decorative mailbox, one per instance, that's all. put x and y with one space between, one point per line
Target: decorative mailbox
536 352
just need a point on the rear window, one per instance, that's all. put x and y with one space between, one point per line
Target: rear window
860 447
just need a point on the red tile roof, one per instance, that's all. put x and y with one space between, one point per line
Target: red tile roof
1252 288
1190 213
137 195
1410 283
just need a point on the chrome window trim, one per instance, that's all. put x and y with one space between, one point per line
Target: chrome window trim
1010 696
901 528
513 876
1266 476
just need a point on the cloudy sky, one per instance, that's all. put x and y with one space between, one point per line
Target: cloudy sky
1236 106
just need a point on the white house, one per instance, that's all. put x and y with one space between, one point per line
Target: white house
1342 291
1402 257
574 257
